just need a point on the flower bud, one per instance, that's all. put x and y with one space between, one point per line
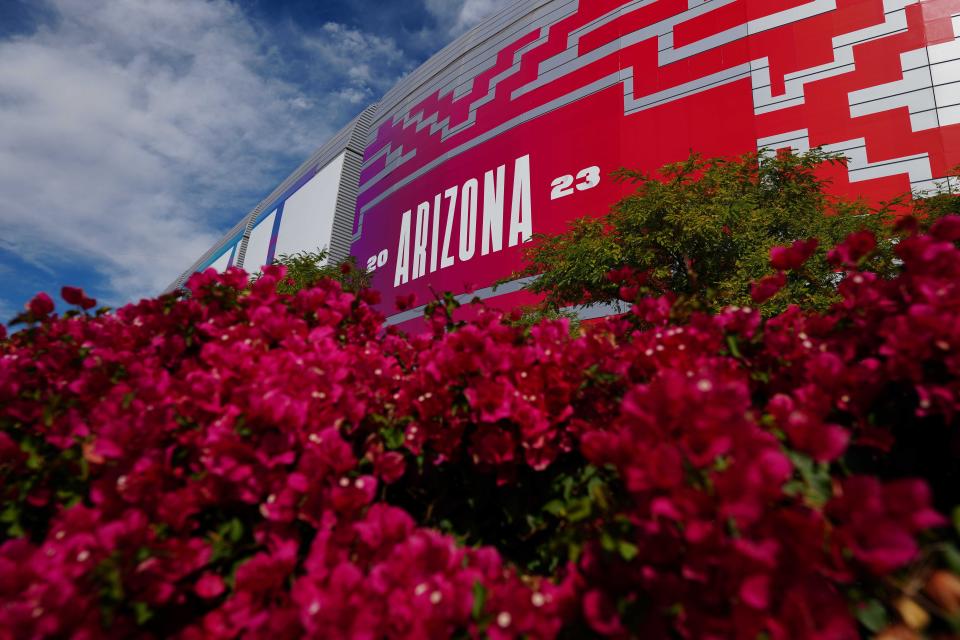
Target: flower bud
944 589
915 616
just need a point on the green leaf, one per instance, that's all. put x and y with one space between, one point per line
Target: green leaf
35 460
817 484
11 517
232 531
598 493
628 551
555 507
142 612
872 615
479 600
111 582
954 622
11 513
793 488
956 519
607 542
579 510
952 556
734 346
226 537
393 437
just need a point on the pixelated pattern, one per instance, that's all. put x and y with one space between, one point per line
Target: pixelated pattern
876 79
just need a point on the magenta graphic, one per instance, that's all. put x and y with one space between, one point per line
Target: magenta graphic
453 186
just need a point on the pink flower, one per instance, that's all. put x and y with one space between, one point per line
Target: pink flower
209 586
349 495
794 256
40 306
946 228
878 522
601 613
390 466
403 303
853 249
76 296
807 432
768 287
493 446
492 398
755 591
813 610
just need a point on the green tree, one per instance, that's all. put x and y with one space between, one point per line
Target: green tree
306 268
703 229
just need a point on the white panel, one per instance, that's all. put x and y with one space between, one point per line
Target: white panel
924 120
307 223
945 72
948 94
949 115
221 263
259 244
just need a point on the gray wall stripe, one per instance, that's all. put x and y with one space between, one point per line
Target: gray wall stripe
583 312
483 294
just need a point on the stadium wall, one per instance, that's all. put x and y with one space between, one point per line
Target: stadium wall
516 127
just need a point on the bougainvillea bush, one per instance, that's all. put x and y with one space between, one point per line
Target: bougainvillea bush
243 462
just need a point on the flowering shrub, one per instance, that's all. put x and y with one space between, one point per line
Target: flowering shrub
248 462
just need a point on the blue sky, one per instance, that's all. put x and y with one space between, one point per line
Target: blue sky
135 132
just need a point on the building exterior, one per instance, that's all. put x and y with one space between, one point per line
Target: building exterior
516 127
313 208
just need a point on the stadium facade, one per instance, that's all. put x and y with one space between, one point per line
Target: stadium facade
516 127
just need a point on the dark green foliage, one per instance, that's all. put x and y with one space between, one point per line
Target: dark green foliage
703 229
936 206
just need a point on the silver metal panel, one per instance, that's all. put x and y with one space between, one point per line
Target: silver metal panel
342 236
481 294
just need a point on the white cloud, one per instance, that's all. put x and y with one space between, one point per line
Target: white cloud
458 16
361 65
127 123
